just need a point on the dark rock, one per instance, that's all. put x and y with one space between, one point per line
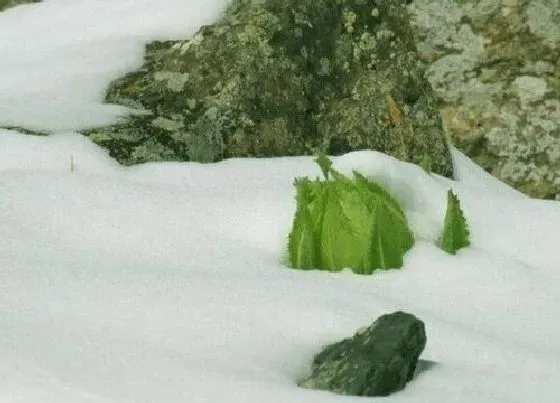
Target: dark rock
376 361
278 78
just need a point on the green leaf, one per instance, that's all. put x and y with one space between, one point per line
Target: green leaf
345 231
325 163
302 241
381 193
455 229
389 239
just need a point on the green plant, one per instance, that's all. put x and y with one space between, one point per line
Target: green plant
455 233
354 223
346 222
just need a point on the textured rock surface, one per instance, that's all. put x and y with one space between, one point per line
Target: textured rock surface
4 4
284 77
376 361
495 66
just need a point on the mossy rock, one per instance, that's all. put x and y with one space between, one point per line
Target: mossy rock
280 78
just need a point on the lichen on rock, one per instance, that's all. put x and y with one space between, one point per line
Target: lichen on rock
495 67
282 77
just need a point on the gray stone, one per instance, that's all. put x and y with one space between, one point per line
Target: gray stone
279 78
495 67
376 361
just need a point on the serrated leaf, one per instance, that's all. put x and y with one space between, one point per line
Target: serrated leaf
455 233
381 193
325 164
302 241
390 238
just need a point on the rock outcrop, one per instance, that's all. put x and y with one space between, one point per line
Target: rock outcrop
282 77
495 66
376 361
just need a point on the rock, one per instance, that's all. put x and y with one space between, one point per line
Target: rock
280 78
4 4
495 67
376 361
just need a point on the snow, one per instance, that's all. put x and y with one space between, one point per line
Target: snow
58 56
168 282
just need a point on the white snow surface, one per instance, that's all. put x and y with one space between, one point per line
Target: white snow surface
168 282
57 57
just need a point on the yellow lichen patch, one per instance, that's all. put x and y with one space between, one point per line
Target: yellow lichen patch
396 114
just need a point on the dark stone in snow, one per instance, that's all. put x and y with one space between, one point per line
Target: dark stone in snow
376 361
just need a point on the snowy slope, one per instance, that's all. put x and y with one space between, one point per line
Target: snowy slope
167 282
